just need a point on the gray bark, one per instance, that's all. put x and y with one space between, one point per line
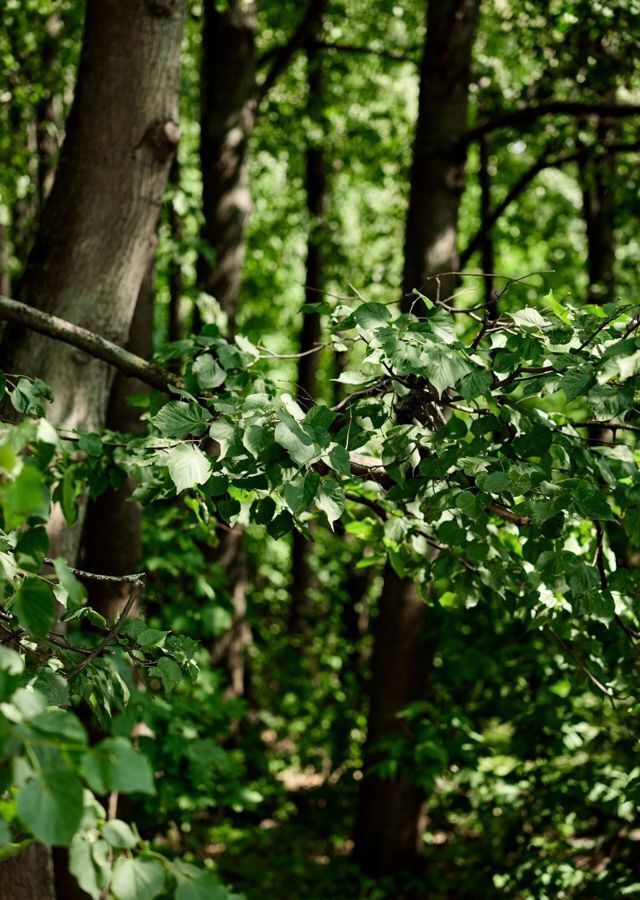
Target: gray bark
95 238
390 815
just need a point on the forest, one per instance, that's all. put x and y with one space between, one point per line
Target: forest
319 459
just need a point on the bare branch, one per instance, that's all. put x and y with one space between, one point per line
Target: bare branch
544 162
100 348
282 57
529 115
391 55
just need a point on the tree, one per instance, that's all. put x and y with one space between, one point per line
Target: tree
113 169
388 829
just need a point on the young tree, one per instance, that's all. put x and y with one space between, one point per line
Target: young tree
388 827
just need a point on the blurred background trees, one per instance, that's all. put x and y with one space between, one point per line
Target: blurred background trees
329 150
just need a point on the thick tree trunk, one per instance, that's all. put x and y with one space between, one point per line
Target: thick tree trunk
96 235
390 814
97 229
227 116
317 203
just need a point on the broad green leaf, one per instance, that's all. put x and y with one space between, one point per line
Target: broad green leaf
576 382
187 466
113 765
178 419
495 482
118 834
89 864
51 806
529 318
295 441
168 672
34 606
298 494
196 884
25 497
69 587
330 500
208 373
137 879
475 383
444 367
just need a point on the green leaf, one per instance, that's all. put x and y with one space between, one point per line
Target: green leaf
467 504
576 382
69 587
29 396
35 607
137 879
25 497
196 884
339 460
529 318
298 494
263 511
113 765
187 466
631 523
475 383
330 500
179 419
208 373
495 482
118 834
370 316
290 435
62 725
89 864
168 672
51 806
444 367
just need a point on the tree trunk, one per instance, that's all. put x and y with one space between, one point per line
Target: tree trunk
113 527
317 203
96 235
175 325
487 248
227 116
390 815
599 207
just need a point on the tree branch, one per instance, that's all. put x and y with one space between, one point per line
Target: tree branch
282 57
100 348
544 162
391 55
528 115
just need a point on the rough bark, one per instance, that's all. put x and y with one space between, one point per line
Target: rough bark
96 234
227 116
98 224
317 203
28 876
390 815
